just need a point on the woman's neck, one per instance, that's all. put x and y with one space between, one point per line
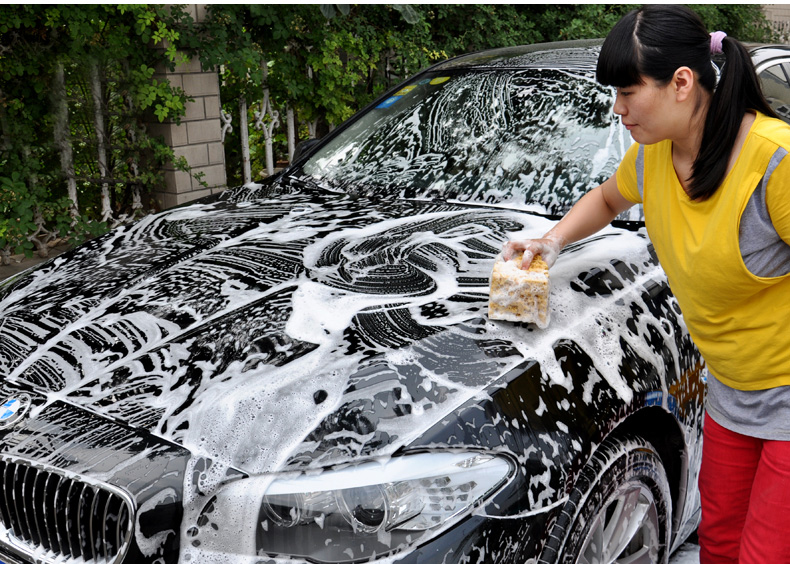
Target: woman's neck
686 144
686 147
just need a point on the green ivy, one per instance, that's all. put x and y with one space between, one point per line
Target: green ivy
17 205
127 42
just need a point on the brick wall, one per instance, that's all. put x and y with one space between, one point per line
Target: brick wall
198 138
779 16
777 11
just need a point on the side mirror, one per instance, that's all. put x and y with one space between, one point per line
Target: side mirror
303 147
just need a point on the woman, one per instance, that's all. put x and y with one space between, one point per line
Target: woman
708 165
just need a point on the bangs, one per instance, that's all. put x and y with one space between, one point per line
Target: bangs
618 63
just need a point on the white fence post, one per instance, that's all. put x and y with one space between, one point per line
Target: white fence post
244 133
63 138
291 120
101 135
267 128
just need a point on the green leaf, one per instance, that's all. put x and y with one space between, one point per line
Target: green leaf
328 10
408 12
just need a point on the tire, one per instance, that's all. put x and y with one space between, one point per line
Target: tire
619 510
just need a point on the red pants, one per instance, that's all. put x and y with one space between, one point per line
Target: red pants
744 485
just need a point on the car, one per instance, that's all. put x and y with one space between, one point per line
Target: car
303 370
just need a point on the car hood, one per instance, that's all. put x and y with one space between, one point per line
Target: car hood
273 328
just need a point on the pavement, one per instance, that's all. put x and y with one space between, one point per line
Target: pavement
20 263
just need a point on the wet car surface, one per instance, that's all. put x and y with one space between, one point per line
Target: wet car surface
304 370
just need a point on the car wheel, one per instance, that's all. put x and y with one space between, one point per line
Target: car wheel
619 511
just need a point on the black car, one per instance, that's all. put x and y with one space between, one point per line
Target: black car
304 370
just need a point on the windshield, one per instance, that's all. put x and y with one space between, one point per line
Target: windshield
528 138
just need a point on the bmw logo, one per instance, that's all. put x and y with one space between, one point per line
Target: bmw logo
13 409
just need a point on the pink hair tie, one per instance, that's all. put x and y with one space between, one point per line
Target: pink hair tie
716 38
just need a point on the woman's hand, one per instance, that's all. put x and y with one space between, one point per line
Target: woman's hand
548 247
596 209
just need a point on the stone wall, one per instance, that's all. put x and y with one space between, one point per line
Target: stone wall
198 138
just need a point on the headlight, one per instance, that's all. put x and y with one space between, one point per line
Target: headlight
367 510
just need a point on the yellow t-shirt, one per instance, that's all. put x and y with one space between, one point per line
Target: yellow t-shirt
739 321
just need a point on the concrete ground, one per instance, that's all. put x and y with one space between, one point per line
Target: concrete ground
21 262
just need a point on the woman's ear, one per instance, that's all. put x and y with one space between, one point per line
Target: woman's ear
683 82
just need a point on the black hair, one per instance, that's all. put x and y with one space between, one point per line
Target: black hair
654 41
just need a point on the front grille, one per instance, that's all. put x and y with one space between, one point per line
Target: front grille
70 520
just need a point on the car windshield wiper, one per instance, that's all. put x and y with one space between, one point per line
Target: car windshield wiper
309 182
354 190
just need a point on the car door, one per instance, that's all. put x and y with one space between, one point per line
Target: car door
775 80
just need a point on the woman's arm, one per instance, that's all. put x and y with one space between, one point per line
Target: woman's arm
594 211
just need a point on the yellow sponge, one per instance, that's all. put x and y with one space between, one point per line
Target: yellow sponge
520 295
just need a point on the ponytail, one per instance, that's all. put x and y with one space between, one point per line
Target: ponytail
654 41
738 91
